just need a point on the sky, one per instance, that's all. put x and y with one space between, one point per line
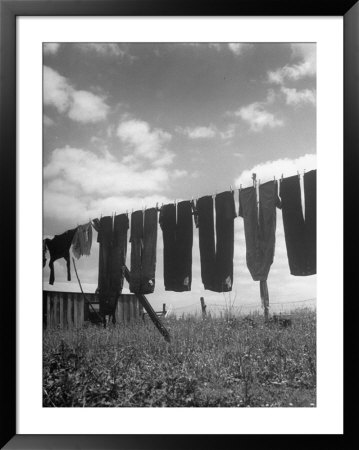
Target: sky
127 126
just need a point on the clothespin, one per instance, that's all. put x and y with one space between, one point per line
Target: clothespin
240 187
230 187
254 177
282 177
298 173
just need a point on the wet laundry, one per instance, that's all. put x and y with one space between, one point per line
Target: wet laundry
177 232
259 227
82 241
143 251
112 237
59 247
300 230
216 248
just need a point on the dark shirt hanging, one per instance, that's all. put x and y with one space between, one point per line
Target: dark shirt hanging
300 233
59 247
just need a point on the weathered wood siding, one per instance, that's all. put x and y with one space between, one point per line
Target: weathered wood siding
70 310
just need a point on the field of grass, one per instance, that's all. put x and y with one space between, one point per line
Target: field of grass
212 362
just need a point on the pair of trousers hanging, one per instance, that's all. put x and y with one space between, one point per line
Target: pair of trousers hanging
259 227
177 246
143 251
216 249
300 231
112 237
59 247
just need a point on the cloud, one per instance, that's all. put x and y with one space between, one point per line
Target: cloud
258 117
267 170
79 183
104 49
144 142
87 107
48 122
306 67
238 48
81 106
51 48
57 91
200 132
297 98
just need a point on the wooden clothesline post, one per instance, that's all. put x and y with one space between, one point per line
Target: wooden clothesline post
263 286
203 307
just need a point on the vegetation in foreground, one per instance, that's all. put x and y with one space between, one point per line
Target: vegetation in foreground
233 361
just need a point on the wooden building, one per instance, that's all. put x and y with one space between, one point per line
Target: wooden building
71 310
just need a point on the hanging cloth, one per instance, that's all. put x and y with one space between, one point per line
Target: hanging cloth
216 260
259 227
300 232
82 241
59 247
143 251
177 246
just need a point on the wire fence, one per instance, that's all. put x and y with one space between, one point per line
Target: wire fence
240 308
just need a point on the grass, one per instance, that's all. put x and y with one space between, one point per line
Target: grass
209 363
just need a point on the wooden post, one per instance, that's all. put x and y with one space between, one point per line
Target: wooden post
164 309
69 311
265 298
203 307
48 311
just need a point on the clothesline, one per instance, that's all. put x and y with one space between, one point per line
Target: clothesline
256 182
215 242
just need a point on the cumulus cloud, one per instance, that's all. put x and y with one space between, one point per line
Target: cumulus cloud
200 132
298 97
57 91
87 107
80 106
79 184
144 142
286 166
305 67
51 48
258 117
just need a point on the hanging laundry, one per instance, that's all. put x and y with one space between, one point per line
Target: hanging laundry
82 241
310 198
300 233
59 247
119 252
104 238
216 259
143 251
177 246
259 227
44 250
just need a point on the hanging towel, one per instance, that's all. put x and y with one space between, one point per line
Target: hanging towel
177 246
300 234
259 227
82 241
59 247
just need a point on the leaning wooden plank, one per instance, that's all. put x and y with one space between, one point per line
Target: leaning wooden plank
147 306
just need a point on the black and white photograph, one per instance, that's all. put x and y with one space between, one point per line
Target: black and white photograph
179 235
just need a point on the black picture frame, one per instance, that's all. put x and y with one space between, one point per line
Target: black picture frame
10 10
